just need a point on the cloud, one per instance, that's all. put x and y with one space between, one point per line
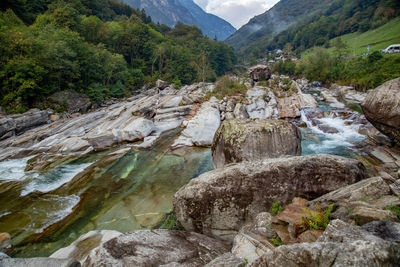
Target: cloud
237 12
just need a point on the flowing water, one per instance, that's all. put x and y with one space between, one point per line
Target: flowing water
344 138
123 190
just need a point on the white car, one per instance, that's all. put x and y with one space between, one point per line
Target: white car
392 49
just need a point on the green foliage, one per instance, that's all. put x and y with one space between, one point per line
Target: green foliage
101 48
228 86
364 73
276 208
318 220
276 242
324 22
395 209
171 222
246 261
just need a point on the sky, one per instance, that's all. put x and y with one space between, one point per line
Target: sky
237 12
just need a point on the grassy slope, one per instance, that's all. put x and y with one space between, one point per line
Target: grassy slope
378 39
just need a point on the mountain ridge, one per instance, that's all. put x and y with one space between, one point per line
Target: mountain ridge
170 12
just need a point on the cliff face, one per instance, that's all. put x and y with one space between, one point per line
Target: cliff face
169 12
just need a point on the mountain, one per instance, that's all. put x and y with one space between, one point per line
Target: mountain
302 24
280 17
169 12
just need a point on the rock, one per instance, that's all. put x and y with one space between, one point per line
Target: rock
157 248
72 101
30 119
309 236
382 108
247 247
395 187
288 107
229 116
137 130
42 262
226 260
201 129
258 107
80 248
260 73
327 129
230 106
368 190
5 241
363 215
254 139
7 125
341 245
54 117
160 84
253 239
291 218
240 112
218 203
172 102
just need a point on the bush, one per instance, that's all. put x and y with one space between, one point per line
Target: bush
226 86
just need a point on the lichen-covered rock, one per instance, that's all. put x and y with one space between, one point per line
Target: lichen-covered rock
157 248
382 108
341 244
42 262
254 139
218 203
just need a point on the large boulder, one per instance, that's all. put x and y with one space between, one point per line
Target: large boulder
260 73
71 101
219 202
382 108
254 139
342 244
157 248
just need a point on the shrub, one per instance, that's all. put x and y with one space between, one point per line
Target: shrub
276 208
318 220
226 86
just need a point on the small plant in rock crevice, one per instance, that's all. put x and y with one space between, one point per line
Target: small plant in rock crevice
276 242
276 208
318 220
171 222
395 209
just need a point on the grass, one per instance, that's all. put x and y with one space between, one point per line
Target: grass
379 38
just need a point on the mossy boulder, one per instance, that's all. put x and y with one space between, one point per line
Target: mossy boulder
254 139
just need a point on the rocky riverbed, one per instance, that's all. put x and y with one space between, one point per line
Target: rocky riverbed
119 167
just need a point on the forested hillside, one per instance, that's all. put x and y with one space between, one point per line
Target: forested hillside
322 23
101 48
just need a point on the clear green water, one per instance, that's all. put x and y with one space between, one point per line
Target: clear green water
45 211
